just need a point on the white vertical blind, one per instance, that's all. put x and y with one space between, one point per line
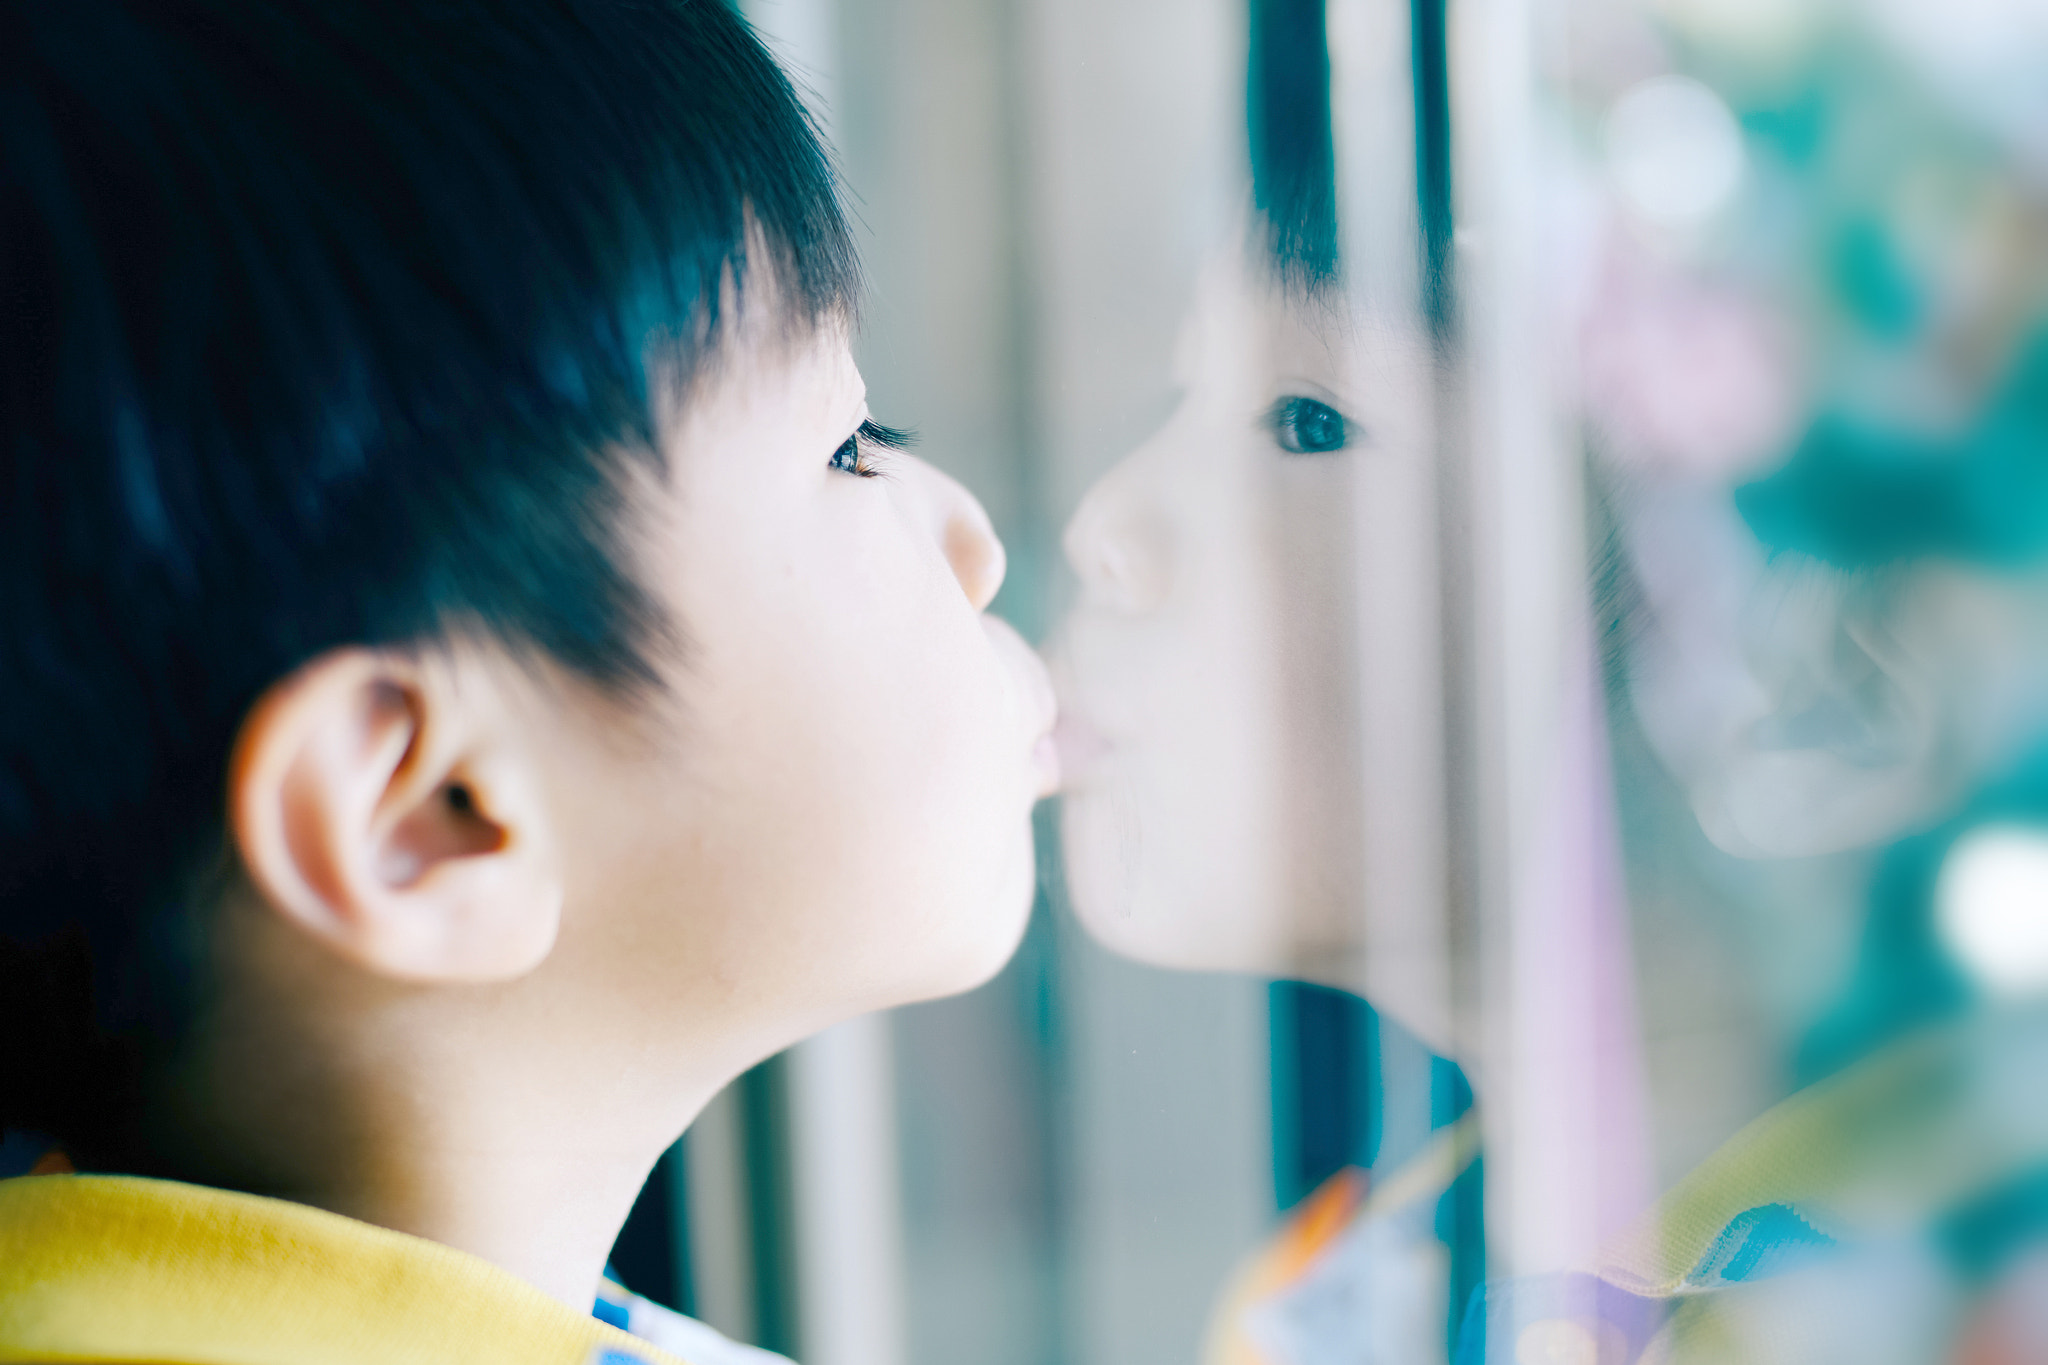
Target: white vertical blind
1558 1079
849 1205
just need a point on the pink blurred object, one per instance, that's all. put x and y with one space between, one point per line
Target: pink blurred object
1681 374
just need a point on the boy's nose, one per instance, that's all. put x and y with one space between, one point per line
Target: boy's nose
965 535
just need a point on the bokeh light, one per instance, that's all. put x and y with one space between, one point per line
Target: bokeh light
1674 150
1992 907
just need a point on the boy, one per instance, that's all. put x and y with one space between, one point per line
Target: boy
465 695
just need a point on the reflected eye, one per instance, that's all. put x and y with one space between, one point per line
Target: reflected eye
859 453
1304 426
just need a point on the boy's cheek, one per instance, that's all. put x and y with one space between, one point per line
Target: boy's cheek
854 754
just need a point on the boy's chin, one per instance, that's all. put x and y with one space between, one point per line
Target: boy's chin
985 933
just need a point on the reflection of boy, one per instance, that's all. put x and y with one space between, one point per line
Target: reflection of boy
1214 815
461 701
1897 1208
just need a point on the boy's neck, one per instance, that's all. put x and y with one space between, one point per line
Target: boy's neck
475 1119
537 1186
549 1217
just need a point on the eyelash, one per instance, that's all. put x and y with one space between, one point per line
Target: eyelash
857 454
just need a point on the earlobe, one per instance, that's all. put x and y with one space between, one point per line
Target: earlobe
390 815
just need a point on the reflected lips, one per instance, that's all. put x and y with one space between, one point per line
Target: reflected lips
1080 745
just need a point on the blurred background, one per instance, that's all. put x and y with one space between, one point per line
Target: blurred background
1637 695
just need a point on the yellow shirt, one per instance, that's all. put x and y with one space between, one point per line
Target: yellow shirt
119 1269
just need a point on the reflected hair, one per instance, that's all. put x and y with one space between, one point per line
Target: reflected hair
1293 148
328 322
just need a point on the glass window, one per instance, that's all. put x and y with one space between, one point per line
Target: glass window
1539 510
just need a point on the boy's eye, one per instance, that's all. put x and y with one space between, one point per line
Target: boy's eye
847 459
1304 426
859 453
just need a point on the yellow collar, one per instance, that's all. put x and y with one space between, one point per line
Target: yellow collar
115 1268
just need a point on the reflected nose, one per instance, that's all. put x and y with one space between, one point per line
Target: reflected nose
1120 549
964 533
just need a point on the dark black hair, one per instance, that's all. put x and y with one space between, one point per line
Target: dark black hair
326 322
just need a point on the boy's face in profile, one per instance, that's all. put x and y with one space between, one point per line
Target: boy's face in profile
838 817
834 814
823 812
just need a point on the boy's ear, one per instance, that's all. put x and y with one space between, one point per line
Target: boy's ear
393 816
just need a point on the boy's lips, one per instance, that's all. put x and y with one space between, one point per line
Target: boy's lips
1041 703
1045 753
1045 759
